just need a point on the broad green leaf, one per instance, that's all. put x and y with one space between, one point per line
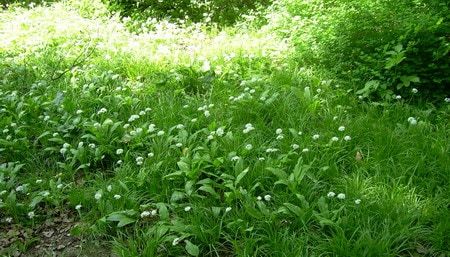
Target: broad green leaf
162 210
191 248
241 176
208 189
36 200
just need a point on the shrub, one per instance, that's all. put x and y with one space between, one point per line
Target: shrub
383 47
223 12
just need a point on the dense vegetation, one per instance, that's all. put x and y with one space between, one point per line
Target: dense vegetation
225 128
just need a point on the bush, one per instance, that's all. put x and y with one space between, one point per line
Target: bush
223 12
384 47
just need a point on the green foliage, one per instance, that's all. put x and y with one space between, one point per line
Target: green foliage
223 12
189 140
390 47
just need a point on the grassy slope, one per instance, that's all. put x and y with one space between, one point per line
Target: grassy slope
402 179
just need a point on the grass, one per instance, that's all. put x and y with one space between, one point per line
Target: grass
242 159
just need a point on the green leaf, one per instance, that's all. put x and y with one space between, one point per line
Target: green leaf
278 172
191 248
240 176
125 221
294 209
208 189
162 210
300 170
176 196
307 93
36 200
122 217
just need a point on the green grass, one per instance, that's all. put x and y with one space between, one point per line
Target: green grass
73 79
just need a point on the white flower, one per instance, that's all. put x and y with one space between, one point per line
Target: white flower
148 109
202 108
19 188
160 133
398 97
300 133
447 99
305 150
38 181
315 137
8 220
341 196
154 212
259 198
108 122
180 126
249 147
31 214
151 128
261 159
194 120
228 209
117 197
139 160
78 207
412 121
187 208
331 194
210 137
278 131
335 117
55 134
341 128
176 241
59 186
206 113
109 188
347 138
66 145
179 145
102 110
248 127
79 112
150 155
133 118
119 162
80 144
142 113
271 150
267 198
235 158
206 66
119 151
414 90
357 201
145 214
334 139
279 137
126 126
185 106
220 132
98 195
3 192
92 145
295 146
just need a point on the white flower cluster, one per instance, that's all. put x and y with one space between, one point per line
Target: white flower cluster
248 127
